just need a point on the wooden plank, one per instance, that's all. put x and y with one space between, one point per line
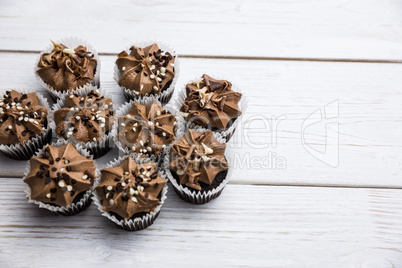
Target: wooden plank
369 117
357 30
258 226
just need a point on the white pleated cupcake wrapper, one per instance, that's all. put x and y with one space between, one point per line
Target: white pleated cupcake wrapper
227 134
83 90
98 148
179 130
131 224
200 197
72 209
25 150
163 97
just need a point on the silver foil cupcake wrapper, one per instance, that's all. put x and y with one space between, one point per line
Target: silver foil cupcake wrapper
71 42
25 150
72 209
135 224
179 129
96 148
198 197
228 133
166 95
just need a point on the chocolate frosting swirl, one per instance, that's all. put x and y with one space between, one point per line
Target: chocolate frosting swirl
130 188
211 102
146 70
67 68
21 117
197 157
59 175
146 129
86 118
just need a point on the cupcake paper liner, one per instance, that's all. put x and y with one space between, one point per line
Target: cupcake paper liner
28 148
192 196
179 130
131 224
96 148
71 42
166 95
227 134
72 209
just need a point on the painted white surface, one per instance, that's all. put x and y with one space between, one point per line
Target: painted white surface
343 29
256 222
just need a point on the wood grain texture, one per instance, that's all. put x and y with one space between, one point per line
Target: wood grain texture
258 226
307 29
369 117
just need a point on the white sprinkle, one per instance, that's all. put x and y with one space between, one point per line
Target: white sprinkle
129 116
152 76
21 112
150 59
48 195
77 109
61 184
102 125
66 161
163 134
123 184
69 188
30 120
140 188
93 118
134 199
71 96
172 64
142 143
83 177
152 67
126 173
149 149
150 123
36 123
136 92
163 70
142 86
159 79
123 68
148 174
21 118
136 124
107 195
69 133
155 88
149 167
72 109
62 169
158 113
94 139
142 65
109 188
123 125
106 106
77 117
164 146
10 127
157 123
93 109
133 148
111 202
132 191
134 129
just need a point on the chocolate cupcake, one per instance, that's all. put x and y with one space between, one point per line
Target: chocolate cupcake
86 120
60 178
209 103
146 130
24 123
196 166
131 193
146 71
68 67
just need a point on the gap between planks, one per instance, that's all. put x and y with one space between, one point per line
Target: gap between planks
189 56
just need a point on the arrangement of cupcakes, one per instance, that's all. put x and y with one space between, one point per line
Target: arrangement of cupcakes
183 143
87 120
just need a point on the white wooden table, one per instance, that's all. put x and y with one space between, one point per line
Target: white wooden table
333 197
